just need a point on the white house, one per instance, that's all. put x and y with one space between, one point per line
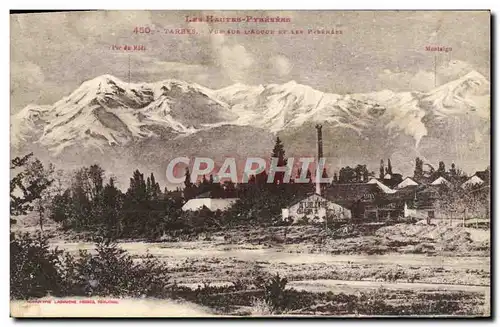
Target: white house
386 189
211 204
441 181
407 182
474 180
315 207
419 212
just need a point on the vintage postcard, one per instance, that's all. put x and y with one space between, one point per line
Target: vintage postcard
250 164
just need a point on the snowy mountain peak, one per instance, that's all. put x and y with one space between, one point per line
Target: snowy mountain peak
472 82
107 78
106 111
475 75
105 83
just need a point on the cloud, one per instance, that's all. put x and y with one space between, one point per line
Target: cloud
27 79
26 74
169 66
91 24
423 80
75 46
406 81
177 70
281 65
453 69
394 80
235 60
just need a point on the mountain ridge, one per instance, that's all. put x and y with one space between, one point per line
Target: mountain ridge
106 112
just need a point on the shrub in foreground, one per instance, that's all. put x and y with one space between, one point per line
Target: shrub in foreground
37 271
34 267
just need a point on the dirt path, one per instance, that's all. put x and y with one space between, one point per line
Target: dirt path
281 255
351 286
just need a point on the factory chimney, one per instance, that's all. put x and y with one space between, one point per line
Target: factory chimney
320 155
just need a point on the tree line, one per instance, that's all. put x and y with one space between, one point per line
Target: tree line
90 202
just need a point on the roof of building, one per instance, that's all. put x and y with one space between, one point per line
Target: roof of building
383 187
206 195
474 180
210 195
412 192
484 175
441 181
408 181
211 204
353 192
308 196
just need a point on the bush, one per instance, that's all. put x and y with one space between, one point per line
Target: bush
113 272
275 294
34 268
37 271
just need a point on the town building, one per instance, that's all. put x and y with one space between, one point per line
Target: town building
367 201
441 181
473 180
479 178
392 179
408 181
419 201
315 208
382 186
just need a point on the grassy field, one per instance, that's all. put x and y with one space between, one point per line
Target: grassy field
403 269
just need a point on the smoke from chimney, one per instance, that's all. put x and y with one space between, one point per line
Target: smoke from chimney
320 155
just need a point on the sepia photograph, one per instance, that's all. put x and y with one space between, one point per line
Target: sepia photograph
250 163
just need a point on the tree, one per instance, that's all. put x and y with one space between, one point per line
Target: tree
155 187
187 179
137 188
453 170
81 200
279 153
389 167
381 171
37 173
62 209
81 205
477 200
148 188
419 169
347 175
135 205
324 175
229 189
95 180
112 205
366 175
361 173
26 186
189 187
441 169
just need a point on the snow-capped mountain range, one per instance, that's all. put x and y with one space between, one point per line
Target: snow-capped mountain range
106 112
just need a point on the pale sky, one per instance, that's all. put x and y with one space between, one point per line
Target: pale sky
53 53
